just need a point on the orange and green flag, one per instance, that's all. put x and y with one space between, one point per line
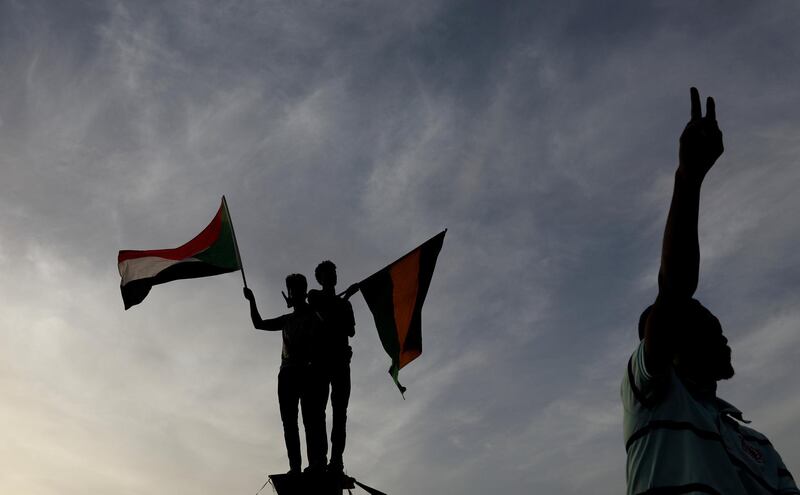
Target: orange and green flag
395 296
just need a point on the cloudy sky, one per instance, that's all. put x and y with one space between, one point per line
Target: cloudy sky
542 134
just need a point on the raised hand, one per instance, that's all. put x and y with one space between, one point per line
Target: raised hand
286 298
349 292
701 140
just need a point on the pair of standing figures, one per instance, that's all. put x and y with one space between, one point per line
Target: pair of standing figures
315 360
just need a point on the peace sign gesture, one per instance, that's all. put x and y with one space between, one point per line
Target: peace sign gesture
701 140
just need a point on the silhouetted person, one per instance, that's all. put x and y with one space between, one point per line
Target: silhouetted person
298 380
679 436
338 325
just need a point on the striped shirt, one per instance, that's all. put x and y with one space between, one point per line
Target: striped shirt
681 443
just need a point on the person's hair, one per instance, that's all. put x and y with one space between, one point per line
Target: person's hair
325 265
296 282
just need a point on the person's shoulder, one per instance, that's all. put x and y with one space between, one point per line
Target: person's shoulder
752 434
641 386
303 317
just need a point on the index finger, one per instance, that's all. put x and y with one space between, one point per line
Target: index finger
695 97
711 109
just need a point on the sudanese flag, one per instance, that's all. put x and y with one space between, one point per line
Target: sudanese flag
395 296
212 252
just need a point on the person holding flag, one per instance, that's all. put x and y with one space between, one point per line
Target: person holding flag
299 379
338 325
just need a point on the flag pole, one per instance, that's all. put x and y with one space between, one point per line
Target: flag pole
235 244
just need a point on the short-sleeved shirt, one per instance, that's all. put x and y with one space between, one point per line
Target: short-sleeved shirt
300 338
684 443
337 321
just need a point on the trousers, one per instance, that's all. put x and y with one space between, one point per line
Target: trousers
339 382
304 386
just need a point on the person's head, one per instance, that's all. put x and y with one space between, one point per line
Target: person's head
296 287
701 350
325 273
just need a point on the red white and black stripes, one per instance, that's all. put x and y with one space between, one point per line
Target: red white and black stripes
211 252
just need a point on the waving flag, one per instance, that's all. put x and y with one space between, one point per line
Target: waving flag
212 252
395 295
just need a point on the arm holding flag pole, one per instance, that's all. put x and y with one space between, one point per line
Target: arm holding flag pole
271 324
349 292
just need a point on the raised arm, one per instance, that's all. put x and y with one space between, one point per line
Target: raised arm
348 293
271 324
700 146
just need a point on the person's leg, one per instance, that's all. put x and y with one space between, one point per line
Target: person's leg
288 396
313 402
340 398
